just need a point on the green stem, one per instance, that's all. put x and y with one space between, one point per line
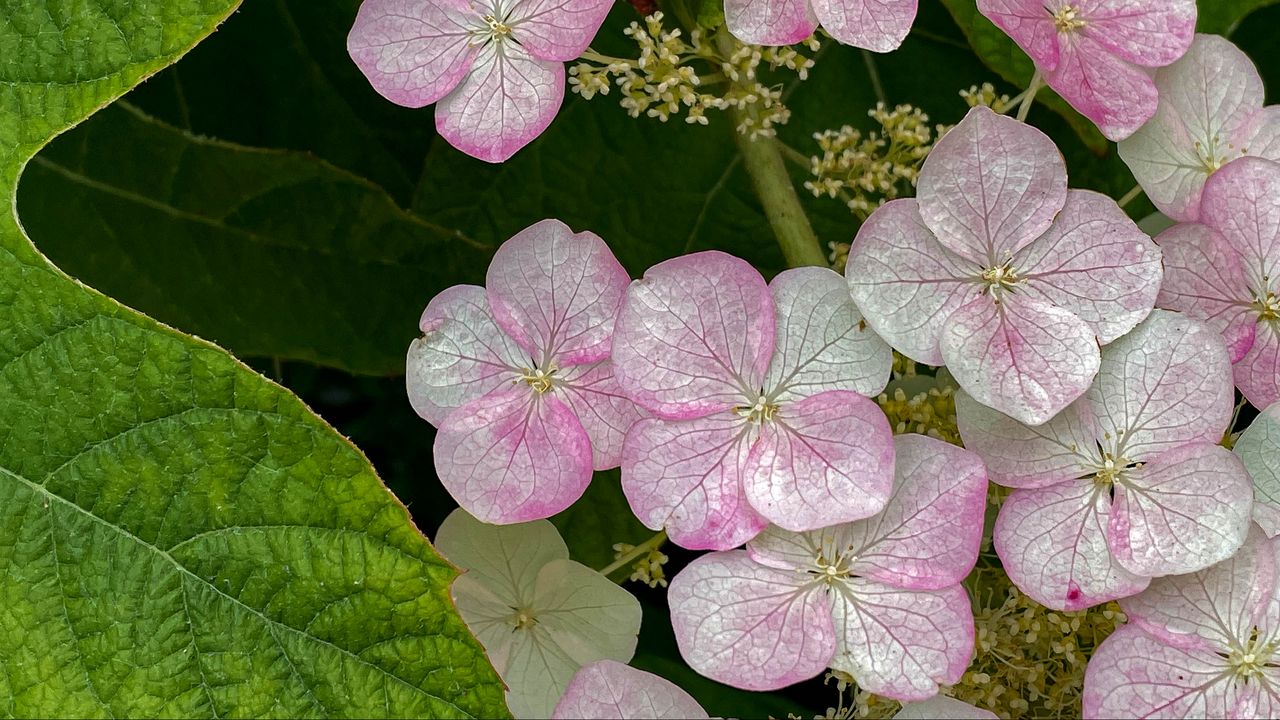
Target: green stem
874 74
636 552
772 182
1030 95
1130 196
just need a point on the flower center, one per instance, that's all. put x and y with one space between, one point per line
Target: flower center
1111 470
761 411
1210 159
523 619
829 571
1000 280
1268 307
540 380
493 30
1067 19
1248 661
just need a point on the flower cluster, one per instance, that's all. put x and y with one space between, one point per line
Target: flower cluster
986 96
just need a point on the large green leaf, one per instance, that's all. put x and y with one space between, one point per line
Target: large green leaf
1222 16
182 537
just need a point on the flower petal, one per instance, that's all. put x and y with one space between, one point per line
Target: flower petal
1117 96
557 293
694 335
1203 278
1021 356
585 613
902 644
942 707
1258 372
1141 32
822 341
792 551
748 625
508 100
1240 202
1030 26
686 476
991 186
557 30
608 689
1183 511
513 456
504 559
1029 456
1053 544
769 22
461 355
878 25
593 395
413 52
1132 674
824 460
1259 449
536 672
488 616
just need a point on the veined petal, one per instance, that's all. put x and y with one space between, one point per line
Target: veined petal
799 551
505 559
488 617
991 186
586 614
593 395
695 335
1259 449
557 293
1030 26
942 707
822 341
1053 544
1133 674
1258 372
748 625
878 25
556 30
1240 203
609 689
1203 277
1029 456
508 100
902 644
1141 32
413 52
1117 96
824 460
513 456
770 22
686 476
536 672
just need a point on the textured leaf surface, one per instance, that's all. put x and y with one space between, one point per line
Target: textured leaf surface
183 538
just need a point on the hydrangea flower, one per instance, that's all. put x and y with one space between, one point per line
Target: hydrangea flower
611 690
1200 645
1129 482
1259 450
758 392
495 68
879 599
516 376
1226 271
999 272
942 707
1095 53
538 614
879 25
1210 113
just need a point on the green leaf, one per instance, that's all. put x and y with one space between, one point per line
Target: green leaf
182 537
1221 17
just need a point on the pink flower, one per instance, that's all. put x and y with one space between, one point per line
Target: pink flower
1210 113
495 67
610 690
1002 274
941 707
1094 53
879 599
516 376
1129 482
1201 645
759 396
1226 271
1259 450
878 25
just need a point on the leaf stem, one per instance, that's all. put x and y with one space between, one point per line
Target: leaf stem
1130 196
642 549
874 74
1029 96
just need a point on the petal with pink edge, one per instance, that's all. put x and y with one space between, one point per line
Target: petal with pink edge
1021 356
1258 372
824 460
1030 26
1240 202
905 282
695 335
902 644
513 456
878 25
461 355
1203 278
1259 450
508 100
613 690
770 22
606 414
686 476
413 52
1142 32
991 186
1095 262
557 293
1053 545
943 708
822 341
1132 674
1164 384
750 626
1184 510
1117 96
928 535
1029 456
556 30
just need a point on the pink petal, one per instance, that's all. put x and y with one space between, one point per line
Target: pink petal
1145 33
686 476
1029 24
508 100
748 625
610 689
1183 511
770 22
557 30
1027 456
513 456
413 51
1132 674
1053 544
1163 385
905 282
928 535
792 551
1095 262
1258 372
593 395
991 186
1021 356
824 460
1240 203
942 707
822 341
902 644
1259 449
1117 96
695 335
1204 279
461 355
879 25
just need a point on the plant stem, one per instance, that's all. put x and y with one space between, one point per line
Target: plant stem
874 74
1130 196
1030 95
641 549
777 194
